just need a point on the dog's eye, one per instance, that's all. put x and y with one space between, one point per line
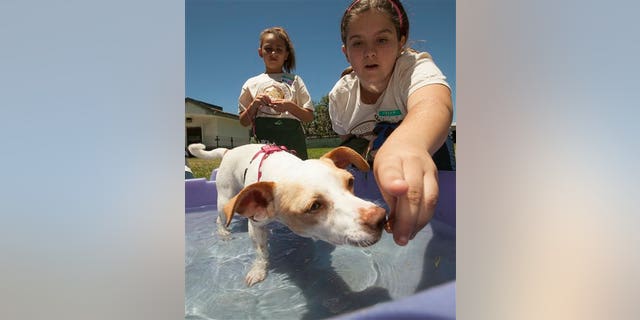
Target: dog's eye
314 206
350 183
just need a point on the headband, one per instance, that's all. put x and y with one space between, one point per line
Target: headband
395 6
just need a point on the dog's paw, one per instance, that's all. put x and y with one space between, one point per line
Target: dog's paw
255 275
224 233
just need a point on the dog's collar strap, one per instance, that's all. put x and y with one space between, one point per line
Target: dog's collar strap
267 150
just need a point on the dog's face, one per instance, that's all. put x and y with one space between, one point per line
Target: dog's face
317 203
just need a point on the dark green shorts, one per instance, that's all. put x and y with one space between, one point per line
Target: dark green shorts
283 132
359 145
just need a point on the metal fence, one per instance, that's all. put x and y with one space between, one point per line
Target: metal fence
227 142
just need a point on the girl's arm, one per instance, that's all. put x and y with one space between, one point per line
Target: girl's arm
403 167
247 116
247 109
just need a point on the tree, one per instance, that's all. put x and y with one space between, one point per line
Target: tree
321 124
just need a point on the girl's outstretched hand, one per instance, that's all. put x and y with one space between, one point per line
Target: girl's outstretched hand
408 180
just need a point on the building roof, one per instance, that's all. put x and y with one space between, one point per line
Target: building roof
211 109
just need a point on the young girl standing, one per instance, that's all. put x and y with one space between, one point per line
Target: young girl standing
275 102
397 101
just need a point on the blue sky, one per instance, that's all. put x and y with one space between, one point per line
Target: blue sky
221 39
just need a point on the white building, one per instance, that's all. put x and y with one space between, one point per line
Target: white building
208 124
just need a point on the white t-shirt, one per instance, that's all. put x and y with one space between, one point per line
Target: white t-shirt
349 115
290 85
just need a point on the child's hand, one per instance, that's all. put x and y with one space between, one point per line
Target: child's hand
408 181
281 105
262 99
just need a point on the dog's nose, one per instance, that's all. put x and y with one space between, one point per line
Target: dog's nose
373 217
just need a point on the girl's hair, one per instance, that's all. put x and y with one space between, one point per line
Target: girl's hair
290 63
393 8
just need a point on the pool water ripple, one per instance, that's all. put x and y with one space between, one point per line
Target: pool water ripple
306 279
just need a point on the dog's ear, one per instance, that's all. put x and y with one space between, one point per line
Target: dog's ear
254 202
343 156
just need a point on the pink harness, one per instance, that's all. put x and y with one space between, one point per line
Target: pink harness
267 151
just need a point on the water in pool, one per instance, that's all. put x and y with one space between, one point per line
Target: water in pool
306 279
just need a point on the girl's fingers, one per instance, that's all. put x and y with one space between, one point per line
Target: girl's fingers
393 186
390 182
388 173
430 196
410 188
409 205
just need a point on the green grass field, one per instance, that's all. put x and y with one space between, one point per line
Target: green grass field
202 168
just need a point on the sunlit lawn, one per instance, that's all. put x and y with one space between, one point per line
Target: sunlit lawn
202 168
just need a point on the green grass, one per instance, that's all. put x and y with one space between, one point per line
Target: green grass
316 153
202 168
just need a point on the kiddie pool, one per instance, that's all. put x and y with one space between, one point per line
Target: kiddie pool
310 279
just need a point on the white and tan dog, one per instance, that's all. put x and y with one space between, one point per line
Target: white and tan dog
314 198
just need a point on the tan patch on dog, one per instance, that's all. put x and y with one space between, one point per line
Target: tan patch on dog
254 202
342 157
373 217
299 209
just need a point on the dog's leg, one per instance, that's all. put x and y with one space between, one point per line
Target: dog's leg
223 231
258 270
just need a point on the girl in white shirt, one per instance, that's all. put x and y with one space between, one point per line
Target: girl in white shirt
397 100
274 103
